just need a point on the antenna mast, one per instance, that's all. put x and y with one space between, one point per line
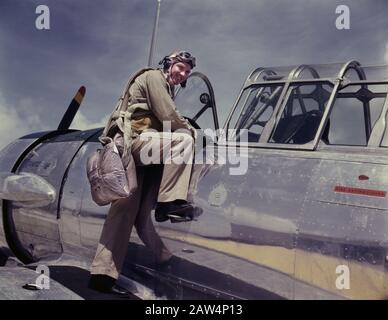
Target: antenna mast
154 33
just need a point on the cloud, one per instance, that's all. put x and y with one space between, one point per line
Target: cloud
80 122
14 125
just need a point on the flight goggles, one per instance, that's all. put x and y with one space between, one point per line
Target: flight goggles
184 56
181 56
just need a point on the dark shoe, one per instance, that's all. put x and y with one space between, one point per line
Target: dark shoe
176 211
197 211
160 215
106 284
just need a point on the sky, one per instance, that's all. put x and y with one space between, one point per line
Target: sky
99 43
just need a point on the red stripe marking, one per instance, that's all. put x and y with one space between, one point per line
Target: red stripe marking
362 192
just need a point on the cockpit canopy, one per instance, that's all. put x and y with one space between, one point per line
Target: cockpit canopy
300 106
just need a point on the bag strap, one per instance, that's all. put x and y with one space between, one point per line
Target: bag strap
116 118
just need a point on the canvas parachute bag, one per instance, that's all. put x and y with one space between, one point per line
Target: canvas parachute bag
108 178
111 170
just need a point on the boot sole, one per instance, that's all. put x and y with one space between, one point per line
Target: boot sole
182 215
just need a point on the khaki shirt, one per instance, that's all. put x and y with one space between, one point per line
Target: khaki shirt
151 102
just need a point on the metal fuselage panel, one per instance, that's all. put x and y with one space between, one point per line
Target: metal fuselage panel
344 222
37 228
251 220
279 227
81 219
288 228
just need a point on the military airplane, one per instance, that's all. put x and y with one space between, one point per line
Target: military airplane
308 220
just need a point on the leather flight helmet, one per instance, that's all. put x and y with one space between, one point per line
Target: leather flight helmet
178 56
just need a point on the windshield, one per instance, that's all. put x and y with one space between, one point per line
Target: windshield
196 101
254 109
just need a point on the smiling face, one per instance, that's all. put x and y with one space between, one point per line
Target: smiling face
179 72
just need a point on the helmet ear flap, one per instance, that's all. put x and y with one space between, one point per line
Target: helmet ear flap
166 62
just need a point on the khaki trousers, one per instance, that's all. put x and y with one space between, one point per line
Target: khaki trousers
175 151
122 215
155 183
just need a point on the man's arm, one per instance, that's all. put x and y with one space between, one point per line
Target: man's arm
162 105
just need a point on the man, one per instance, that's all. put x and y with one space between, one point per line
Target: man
150 106
157 86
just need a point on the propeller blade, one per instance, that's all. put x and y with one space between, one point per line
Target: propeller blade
72 109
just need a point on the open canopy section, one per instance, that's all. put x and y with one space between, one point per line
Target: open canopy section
352 71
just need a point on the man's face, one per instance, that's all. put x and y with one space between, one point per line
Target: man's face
179 72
